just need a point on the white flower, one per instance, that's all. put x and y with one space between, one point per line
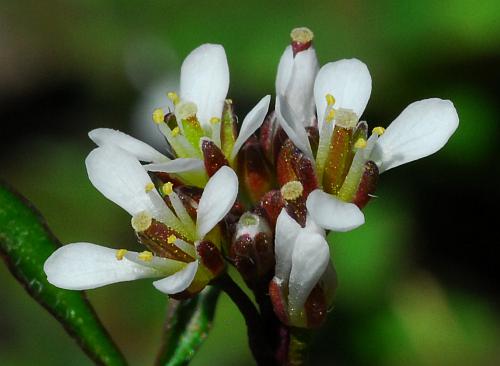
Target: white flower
341 91
198 115
302 261
120 177
295 77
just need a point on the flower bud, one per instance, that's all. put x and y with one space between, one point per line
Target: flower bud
254 173
252 250
294 165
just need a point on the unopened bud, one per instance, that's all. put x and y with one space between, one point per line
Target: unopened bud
252 249
292 165
254 173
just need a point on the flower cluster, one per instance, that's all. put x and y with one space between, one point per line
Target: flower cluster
259 195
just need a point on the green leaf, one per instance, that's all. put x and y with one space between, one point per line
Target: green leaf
187 325
25 244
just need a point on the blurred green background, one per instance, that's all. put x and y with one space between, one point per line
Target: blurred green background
417 282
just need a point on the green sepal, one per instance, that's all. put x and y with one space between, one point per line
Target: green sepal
25 244
228 130
187 326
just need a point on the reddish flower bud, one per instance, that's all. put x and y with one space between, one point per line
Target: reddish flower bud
254 173
252 250
270 206
213 157
293 165
367 185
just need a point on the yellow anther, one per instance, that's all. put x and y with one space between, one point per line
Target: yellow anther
171 239
173 97
292 190
149 187
146 256
141 221
330 116
360 143
176 131
379 130
330 100
214 120
120 253
229 101
167 188
185 110
158 115
302 35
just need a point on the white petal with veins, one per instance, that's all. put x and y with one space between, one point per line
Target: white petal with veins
309 261
137 148
82 266
178 165
205 81
420 130
287 230
331 213
253 120
121 178
217 200
349 82
179 281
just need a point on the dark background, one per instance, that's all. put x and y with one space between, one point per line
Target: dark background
418 282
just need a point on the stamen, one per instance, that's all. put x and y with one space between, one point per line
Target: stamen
173 97
120 253
330 116
214 120
379 130
141 221
292 190
149 187
302 35
171 239
146 256
346 118
330 100
158 115
176 131
185 110
360 143
167 188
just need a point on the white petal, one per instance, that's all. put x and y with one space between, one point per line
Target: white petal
309 261
420 130
299 91
137 148
122 179
287 230
313 227
179 165
253 120
82 266
217 200
349 81
205 81
292 125
179 281
331 213
285 68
